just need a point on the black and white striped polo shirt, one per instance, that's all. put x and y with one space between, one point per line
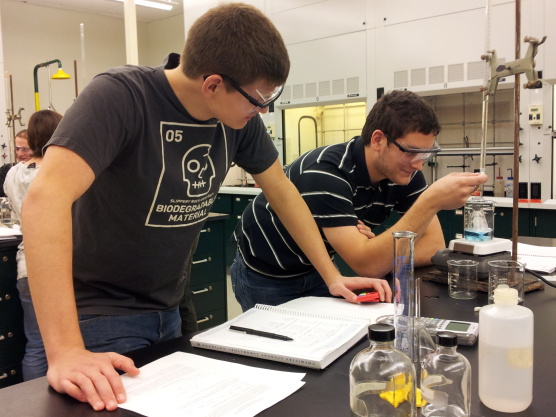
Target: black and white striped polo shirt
335 183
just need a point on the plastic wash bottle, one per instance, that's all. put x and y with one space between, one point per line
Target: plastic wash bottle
506 353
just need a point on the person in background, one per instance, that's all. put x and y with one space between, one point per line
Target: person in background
40 128
22 154
351 188
126 184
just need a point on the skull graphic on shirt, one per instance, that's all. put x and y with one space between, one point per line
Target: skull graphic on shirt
198 170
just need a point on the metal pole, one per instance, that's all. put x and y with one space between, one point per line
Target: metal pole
13 153
75 72
517 90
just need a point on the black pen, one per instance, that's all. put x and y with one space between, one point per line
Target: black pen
260 333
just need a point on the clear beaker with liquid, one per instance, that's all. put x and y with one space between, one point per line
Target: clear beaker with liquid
478 220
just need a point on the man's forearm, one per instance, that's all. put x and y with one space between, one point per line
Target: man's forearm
48 249
429 243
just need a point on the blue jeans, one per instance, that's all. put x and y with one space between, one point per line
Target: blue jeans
34 361
101 333
251 288
121 334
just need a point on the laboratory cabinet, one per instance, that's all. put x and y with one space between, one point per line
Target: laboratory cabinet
503 222
12 335
208 274
543 223
234 205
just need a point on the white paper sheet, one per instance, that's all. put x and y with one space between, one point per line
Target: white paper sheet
182 384
537 258
9 232
341 307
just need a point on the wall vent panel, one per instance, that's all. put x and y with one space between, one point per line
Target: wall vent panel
418 76
310 90
338 87
455 73
436 75
352 85
298 91
400 79
324 88
476 70
286 94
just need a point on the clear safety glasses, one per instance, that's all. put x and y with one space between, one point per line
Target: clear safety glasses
22 149
260 101
413 155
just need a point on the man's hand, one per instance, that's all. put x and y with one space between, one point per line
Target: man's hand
364 229
453 190
344 286
91 377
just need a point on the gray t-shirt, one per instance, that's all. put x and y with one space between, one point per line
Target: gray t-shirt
158 171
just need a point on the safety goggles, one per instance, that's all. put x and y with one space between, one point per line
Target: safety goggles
260 101
22 149
413 155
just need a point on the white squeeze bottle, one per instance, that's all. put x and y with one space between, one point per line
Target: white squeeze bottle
506 353
510 184
499 186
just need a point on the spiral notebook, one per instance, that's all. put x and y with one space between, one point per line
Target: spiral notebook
322 329
537 258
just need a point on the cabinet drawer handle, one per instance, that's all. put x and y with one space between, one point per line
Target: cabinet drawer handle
10 334
202 261
207 230
7 297
5 258
202 291
205 319
4 375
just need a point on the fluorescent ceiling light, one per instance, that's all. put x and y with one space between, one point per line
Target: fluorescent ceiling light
163 4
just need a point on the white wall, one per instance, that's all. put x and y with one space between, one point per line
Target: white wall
162 37
356 44
430 47
32 35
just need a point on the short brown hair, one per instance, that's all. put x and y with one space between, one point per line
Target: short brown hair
22 134
42 125
398 113
239 41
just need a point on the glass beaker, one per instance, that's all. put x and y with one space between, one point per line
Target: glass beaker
506 272
6 215
478 220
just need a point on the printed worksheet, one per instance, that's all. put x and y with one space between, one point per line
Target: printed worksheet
183 384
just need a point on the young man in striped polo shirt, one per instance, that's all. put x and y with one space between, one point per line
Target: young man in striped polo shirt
351 188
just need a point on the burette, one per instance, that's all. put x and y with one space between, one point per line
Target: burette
486 93
479 222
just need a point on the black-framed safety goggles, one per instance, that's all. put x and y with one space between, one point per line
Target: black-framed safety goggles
416 154
262 100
